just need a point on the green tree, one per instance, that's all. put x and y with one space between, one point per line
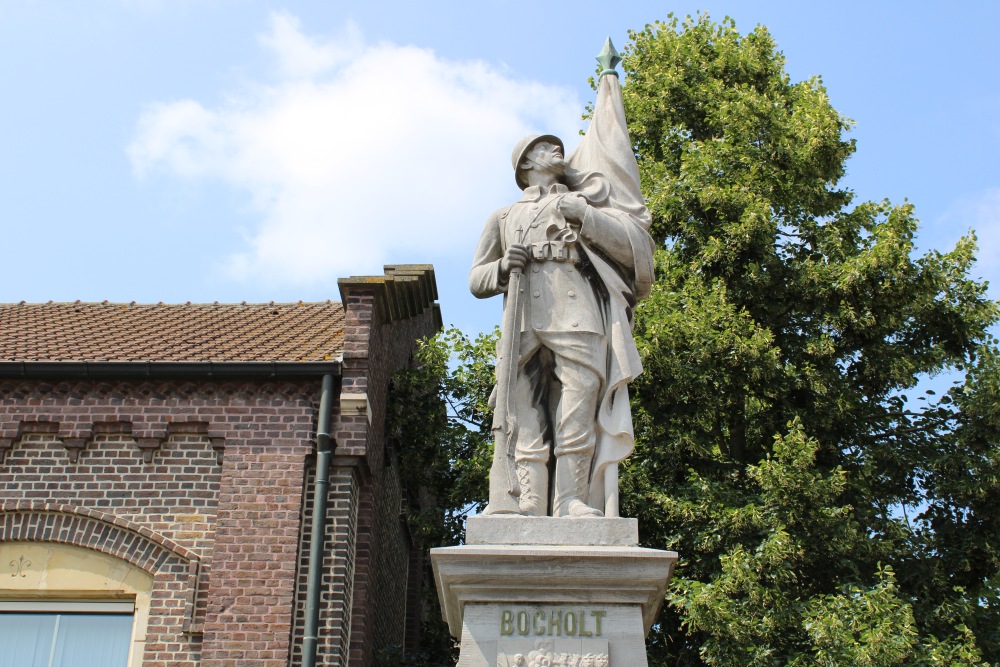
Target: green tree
821 518
439 420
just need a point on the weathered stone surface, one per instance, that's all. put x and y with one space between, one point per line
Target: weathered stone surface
549 575
480 586
544 629
572 257
526 530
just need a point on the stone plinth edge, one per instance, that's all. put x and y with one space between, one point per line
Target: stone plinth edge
544 574
543 530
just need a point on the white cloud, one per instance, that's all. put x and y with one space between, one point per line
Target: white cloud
359 154
301 57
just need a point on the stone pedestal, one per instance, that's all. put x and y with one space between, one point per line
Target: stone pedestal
558 585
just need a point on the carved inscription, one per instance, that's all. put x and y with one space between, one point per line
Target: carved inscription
551 622
539 636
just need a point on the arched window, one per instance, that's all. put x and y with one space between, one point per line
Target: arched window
67 606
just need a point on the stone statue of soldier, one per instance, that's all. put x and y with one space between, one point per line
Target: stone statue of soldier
572 258
579 250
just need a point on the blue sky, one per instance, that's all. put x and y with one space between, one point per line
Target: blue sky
156 150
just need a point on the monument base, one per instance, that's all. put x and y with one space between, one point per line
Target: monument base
527 587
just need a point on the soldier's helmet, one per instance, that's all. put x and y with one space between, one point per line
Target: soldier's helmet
521 149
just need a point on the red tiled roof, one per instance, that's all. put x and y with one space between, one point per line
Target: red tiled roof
276 332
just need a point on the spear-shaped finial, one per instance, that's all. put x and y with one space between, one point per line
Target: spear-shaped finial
608 59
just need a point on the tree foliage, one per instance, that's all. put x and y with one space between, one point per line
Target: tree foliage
824 515
827 507
439 420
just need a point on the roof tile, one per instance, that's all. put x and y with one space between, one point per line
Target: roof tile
281 332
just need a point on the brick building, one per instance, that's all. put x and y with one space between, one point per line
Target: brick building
158 477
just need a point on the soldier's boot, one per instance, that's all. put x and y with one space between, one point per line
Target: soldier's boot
572 485
534 478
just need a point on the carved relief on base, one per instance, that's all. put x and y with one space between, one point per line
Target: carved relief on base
567 652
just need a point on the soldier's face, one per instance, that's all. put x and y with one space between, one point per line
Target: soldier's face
548 155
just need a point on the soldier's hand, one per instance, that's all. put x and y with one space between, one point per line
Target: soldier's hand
515 258
573 207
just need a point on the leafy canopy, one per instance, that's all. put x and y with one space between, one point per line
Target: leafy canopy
778 446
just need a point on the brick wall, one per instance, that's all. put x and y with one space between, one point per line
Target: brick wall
221 539
336 586
171 604
252 588
376 345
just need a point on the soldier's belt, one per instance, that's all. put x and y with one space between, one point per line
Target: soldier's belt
554 251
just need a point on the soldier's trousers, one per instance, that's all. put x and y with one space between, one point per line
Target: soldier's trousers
559 383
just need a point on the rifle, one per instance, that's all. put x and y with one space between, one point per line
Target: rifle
505 428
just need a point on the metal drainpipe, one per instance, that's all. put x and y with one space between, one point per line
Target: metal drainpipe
317 535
